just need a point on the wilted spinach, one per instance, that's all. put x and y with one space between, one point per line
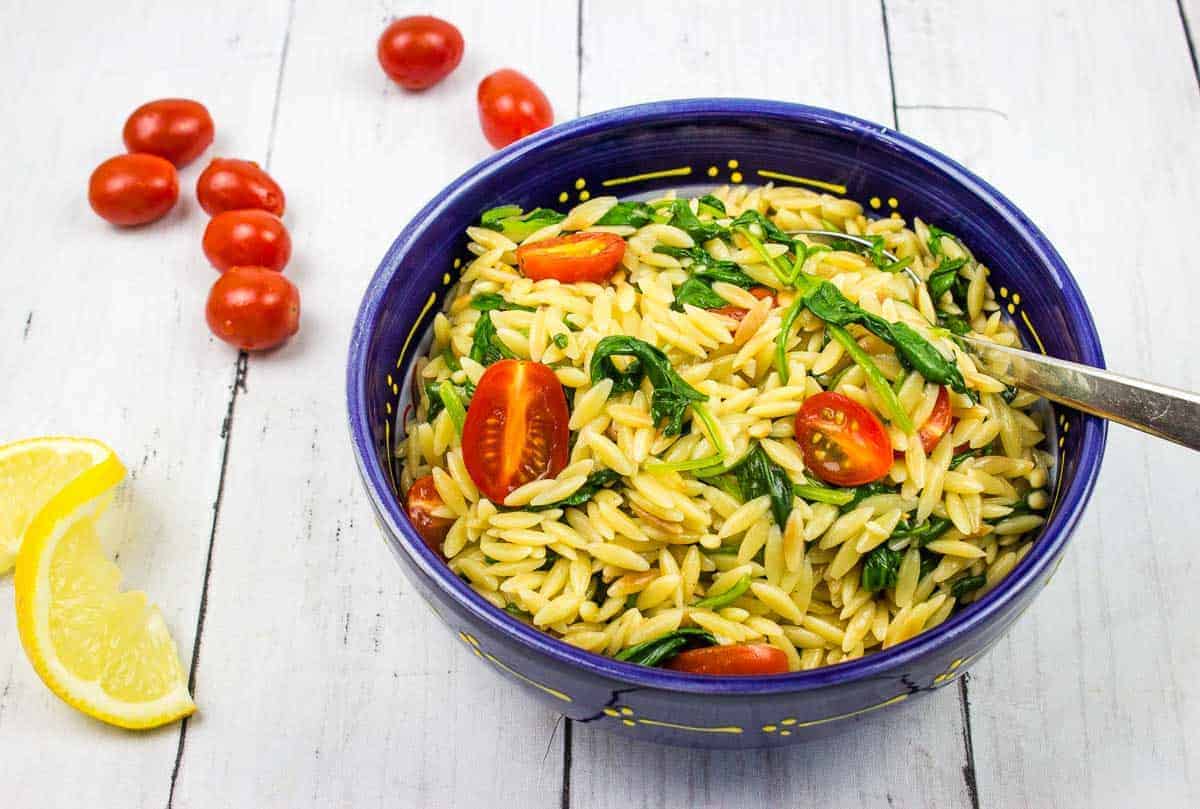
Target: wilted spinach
662 649
672 395
486 346
880 569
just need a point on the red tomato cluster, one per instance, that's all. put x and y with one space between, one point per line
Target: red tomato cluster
418 52
251 306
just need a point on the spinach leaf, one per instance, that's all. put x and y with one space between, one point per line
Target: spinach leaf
451 361
705 266
660 650
874 251
508 220
683 218
1009 393
875 378
600 479
827 302
672 395
770 231
958 458
757 475
448 393
726 598
955 324
433 390
943 278
705 271
714 205
861 493
493 215
929 561
934 243
921 535
822 494
967 584
493 301
697 293
486 346
630 214
785 330
880 568
551 558
517 612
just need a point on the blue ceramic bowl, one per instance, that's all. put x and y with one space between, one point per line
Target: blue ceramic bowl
711 141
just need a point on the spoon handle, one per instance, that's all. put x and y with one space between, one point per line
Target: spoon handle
1156 409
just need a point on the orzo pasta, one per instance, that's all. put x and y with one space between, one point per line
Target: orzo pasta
695 440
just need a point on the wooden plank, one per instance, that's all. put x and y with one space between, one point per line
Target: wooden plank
325 679
103 331
834 58
1090 124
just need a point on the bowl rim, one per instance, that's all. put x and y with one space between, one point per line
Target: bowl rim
877 664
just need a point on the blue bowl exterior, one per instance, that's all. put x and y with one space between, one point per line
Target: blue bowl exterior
671 144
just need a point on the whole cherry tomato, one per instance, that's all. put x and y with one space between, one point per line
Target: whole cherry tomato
938 423
253 308
516 428
577 257
420 503
133 189
738 660
511 107
418 52
247 238
176 129
737 312
231 185
843 443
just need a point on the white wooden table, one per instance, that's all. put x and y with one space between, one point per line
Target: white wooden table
322 678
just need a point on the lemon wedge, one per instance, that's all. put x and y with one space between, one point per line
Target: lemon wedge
33 471
105 652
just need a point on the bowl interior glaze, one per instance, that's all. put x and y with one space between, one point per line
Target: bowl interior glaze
688 143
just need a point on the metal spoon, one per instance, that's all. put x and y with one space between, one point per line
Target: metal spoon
1156 409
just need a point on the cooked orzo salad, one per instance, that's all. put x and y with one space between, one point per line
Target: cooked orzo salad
675 433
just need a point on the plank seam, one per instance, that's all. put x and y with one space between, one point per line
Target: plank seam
1191 43
565 803
239 385
887 46
969 775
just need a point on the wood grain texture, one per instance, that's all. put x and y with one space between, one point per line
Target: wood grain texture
325 680
322 678
1091 128
836 58
102 332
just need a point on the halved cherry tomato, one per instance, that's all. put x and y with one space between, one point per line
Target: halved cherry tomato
247 238
737 312
231 185
843 442
420 503
176 129
516 428
253 308
418 52
578 257
133 189
938 423
741 660
511 107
